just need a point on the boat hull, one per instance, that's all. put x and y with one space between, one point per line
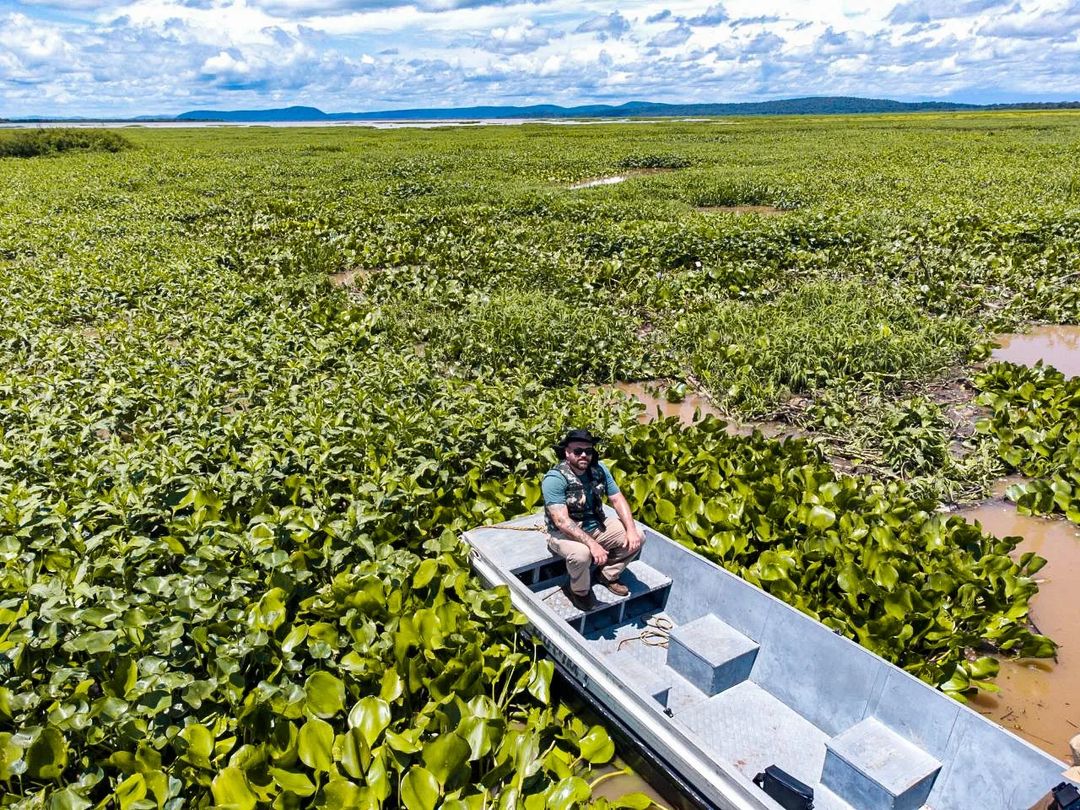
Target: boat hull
745 681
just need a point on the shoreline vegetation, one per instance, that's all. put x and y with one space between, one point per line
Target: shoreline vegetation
254 383
39 142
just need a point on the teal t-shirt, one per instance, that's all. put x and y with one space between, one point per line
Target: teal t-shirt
554 489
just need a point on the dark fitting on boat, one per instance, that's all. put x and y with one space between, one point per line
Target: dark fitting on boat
1066 797
785 789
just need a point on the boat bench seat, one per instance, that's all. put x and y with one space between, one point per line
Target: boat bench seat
520 547
542 569
711 654
872 767
648 593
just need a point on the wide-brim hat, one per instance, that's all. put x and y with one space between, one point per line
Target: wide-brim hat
576 435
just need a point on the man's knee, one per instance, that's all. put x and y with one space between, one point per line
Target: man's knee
613 536
579 556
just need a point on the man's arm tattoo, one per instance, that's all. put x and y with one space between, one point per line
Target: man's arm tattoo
571 529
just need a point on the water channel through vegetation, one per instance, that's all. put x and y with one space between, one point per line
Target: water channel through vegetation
688 407
1040 698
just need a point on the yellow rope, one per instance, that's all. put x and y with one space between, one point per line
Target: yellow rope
656 633
534 527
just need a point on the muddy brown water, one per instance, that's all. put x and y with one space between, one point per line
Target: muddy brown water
346 278
692 408
1057 346
1040 698
615 785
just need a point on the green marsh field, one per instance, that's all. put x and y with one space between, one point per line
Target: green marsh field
254 382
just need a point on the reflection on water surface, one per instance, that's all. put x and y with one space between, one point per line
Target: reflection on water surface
617 178
600 181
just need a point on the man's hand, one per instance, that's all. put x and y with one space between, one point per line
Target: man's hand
563 523
633 534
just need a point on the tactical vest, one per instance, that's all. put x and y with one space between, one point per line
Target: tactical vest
575 495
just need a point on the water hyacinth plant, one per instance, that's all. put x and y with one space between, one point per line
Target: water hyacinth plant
231 489
1035 423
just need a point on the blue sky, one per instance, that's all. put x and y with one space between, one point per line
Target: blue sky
130 57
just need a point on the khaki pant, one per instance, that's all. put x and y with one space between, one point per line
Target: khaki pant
579 558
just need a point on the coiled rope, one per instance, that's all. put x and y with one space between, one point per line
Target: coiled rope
656 633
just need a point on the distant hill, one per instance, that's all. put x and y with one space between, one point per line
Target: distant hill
814 105
822 105
282 114
632 109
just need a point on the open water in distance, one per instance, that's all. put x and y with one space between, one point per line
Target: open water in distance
603 181
380 124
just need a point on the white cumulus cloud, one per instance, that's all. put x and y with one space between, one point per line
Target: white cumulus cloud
613 24
522 37
225 64
129 57
672 36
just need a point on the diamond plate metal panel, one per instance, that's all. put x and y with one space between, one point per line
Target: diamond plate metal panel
748 728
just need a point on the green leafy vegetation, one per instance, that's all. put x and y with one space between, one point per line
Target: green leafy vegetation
915 586
719 193
816 336
1035 423
35 142
654 161
231 490
930 445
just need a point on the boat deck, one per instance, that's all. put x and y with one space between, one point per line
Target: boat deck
744 725
750 683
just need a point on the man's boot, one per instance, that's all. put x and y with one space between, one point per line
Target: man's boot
583 602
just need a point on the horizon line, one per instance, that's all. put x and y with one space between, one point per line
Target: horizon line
607 105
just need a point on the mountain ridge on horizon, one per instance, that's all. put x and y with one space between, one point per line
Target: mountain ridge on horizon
810 105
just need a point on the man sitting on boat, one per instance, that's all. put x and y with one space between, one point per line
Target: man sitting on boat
578 529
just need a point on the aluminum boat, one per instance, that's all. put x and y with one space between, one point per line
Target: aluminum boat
719 683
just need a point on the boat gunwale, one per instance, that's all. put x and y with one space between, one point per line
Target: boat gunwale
937 693
642 718
522 595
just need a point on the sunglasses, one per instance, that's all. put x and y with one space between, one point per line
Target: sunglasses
580 451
